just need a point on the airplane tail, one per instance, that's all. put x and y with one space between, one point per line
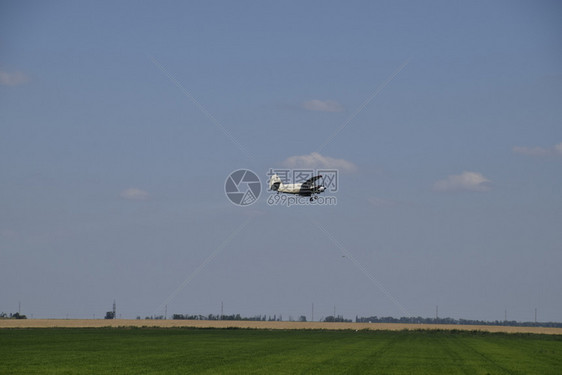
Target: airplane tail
275 182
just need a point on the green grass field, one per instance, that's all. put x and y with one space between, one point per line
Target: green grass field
241 351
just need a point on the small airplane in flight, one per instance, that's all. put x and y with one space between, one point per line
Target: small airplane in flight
306 189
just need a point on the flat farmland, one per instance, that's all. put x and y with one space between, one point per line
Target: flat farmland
99 323
183 350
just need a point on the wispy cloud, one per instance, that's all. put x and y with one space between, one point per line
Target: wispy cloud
322 105
539 151
318 161
134 194
12 78
381 202
466 181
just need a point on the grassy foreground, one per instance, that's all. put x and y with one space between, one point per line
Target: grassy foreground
241 351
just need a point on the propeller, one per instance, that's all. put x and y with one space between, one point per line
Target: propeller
320 188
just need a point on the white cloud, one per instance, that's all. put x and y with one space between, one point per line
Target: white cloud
317 161
12 79
322 105
466 181
538 151
530 151
134 194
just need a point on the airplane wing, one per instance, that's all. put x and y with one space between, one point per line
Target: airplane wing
310 182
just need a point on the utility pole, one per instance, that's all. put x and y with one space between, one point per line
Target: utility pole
166 312
222 310
114 310
312 318
436 312
19 307
535 315
505 316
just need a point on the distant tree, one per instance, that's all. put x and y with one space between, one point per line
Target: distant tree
302 318
333 319
420 320
109 315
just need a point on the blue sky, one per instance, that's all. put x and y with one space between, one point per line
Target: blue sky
120 122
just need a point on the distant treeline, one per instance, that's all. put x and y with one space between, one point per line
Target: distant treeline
336 319
257 318
371 319
3 315
420 320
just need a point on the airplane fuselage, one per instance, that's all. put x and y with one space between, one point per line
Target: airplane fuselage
300 189
307 189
